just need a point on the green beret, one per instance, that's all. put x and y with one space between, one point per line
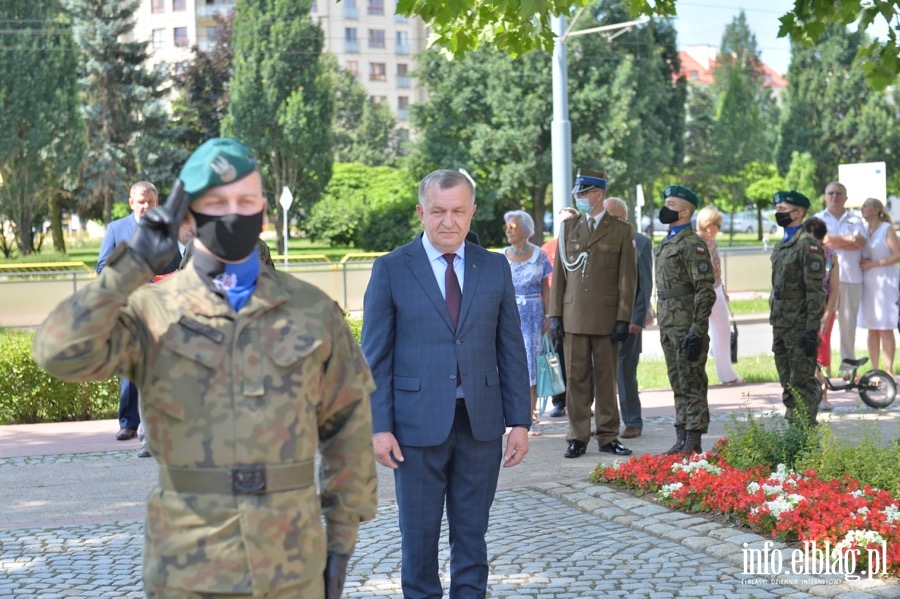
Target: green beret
218 161
791 197
677 191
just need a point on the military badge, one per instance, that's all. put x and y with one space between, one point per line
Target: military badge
815 266
813 249
703 266
700 250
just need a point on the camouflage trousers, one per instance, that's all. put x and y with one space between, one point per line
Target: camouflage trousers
797 374
312 590
687 379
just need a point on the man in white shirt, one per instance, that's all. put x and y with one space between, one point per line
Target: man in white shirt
847 235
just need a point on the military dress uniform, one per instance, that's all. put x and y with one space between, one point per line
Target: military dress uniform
685 296
237 404
597 291
796 305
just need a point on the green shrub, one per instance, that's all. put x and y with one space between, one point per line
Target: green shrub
355 325
28 394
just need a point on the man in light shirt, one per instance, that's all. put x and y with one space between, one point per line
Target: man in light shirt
846 235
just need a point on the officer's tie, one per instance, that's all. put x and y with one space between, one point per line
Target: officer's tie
453 297
592 224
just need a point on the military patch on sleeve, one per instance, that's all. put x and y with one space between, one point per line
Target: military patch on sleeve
813 249
815 266
703 266
700 249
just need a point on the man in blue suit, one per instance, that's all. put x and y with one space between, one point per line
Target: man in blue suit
142 197
441 335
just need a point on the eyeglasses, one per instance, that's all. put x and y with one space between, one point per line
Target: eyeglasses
510 227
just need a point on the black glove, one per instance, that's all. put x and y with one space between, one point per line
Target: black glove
809 341
335 574
156 236
619 332
691 344
556 330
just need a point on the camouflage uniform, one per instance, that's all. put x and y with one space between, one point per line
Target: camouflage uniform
265 386
797 303
265 255
685 292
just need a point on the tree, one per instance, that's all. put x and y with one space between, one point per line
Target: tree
122 104
519 27
364 130
281 99
831 114
699 144
802 175
39 123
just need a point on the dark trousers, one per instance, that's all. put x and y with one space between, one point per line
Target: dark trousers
629 400
129 416
560 398
463 472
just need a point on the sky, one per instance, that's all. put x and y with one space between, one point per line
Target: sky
702 22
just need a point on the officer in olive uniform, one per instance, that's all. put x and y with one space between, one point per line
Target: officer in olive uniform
591 304
685 297
244 373
796 306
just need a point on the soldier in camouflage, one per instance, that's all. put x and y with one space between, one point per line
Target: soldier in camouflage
244 373
685 296
796 304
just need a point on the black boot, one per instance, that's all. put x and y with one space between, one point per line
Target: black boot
692 442
680 437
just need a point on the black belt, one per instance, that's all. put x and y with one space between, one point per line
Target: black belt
674 292
254 479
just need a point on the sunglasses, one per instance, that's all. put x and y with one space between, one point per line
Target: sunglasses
510 227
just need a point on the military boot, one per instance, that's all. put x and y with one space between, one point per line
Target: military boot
692 442
680 438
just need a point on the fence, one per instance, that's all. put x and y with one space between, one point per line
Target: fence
28 292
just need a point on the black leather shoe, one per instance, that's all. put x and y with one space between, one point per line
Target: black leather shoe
615 447
558 411
126 433
576 448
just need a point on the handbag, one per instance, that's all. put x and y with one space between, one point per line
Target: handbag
549 372
734 338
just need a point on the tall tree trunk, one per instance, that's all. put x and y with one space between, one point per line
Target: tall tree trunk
56 228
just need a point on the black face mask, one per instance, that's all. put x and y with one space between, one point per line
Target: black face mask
667 215
784 218
231 237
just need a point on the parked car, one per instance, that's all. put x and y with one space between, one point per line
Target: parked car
741 222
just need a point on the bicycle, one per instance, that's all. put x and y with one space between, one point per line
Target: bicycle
876 388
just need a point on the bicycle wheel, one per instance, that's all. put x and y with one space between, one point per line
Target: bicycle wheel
877 389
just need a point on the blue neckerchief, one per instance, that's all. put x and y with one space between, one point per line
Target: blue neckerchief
789 232
675 230
242 278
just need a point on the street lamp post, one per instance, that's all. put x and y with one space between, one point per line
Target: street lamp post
560 127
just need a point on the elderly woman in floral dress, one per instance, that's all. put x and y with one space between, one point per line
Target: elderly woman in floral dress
530 273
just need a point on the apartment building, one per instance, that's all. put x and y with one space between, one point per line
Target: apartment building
368 39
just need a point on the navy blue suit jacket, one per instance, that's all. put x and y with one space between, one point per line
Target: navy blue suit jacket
412 348
120 231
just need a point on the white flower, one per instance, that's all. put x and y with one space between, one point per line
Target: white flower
753 488
863 538
691 467
666 490
783 503
857 493
892 513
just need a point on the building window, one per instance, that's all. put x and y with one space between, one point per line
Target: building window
353 67
350 10
377 71
213 32
376 38
314 7
179 5
694 75
403 108
402 42
376 7
181 37
378 99
157 6
159 38
403 79
351 44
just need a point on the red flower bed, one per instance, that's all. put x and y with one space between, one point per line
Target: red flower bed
789 506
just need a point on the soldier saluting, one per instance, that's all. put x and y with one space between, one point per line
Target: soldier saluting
796 306
244 373
685 296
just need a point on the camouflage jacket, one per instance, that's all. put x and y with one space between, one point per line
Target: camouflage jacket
797 299
684 282
269 385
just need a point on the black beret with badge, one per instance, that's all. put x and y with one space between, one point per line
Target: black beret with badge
586 179
218 161
679 191
793 197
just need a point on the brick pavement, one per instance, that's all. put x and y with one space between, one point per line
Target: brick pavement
73 506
